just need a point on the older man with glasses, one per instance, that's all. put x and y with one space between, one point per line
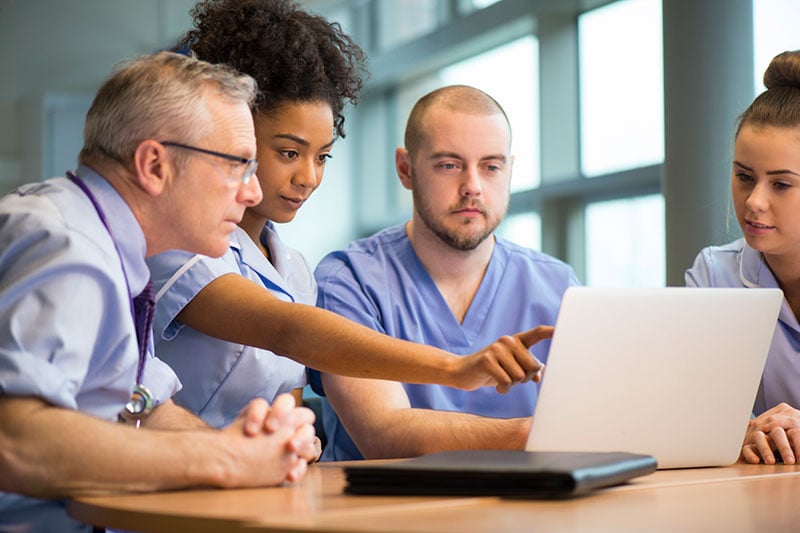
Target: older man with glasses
84 405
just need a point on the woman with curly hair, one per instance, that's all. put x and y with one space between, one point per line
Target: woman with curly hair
215 323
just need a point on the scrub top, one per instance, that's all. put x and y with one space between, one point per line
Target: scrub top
381 283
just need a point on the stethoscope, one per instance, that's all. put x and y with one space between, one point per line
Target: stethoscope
141 403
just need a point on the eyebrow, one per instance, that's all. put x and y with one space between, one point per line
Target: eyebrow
782 171
301 141
769 172
499 157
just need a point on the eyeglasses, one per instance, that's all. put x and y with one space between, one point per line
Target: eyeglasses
250 165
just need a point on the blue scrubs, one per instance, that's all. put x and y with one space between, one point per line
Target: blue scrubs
66 330
380 282
738 265
221 377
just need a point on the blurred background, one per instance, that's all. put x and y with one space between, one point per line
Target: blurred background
622 111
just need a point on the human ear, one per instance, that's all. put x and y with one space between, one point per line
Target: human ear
152 166
402 162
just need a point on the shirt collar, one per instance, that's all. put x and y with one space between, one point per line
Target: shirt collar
755 273
753 270
241 243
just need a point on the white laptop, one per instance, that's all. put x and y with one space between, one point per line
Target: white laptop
668 372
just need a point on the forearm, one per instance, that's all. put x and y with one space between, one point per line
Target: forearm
381 421
235 309
413 432
171 416
328 342
52 452
333 344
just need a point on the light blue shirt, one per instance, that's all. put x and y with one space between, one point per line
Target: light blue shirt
738 265
220 377
381 283
66 330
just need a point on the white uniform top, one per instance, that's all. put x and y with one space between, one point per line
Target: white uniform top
220 377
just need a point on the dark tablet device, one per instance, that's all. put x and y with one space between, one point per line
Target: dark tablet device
538 474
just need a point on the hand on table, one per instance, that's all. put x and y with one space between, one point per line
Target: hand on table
776 430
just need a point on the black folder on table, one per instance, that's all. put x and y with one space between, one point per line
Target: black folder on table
510 473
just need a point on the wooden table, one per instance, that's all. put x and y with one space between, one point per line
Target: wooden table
736 498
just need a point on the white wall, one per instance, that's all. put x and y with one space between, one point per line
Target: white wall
54 54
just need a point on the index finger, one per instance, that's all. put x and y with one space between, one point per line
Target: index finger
532 336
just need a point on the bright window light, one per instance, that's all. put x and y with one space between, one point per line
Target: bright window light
524 229
621 87
774 31
625 243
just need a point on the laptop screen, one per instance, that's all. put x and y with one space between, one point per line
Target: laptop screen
669 372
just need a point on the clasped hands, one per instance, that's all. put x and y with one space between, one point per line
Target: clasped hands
291 430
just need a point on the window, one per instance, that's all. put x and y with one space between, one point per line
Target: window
774 31
524 229
622 128
468 6
403 20
625 242
621 87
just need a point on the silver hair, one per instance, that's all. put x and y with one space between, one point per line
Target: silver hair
161 97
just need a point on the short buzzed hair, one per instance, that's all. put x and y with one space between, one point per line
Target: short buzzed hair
462 98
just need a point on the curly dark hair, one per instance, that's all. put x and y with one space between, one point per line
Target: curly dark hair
295 56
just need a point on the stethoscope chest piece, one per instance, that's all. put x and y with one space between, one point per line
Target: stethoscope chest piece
138 407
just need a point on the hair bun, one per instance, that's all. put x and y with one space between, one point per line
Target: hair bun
784 71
